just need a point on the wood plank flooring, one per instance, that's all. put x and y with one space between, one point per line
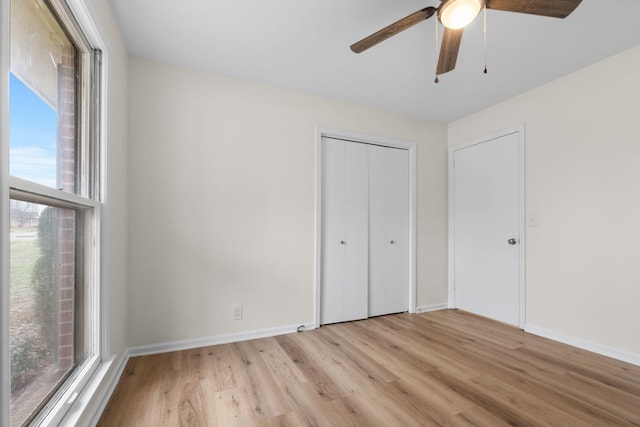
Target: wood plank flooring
433 369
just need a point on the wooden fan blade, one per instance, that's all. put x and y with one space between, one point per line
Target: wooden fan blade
393 29
552 8
449 50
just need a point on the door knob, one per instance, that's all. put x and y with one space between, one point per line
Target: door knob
512 241
342 242
392 242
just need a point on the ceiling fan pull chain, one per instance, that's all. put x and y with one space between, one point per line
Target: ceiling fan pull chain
485 37
437 80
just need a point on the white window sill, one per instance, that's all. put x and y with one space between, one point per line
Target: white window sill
86 409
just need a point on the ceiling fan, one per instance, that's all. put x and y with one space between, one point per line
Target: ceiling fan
455 15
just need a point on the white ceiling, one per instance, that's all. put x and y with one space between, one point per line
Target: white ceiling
304 45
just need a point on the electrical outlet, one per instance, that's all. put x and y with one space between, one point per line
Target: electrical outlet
237 312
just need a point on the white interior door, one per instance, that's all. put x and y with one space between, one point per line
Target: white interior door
487 218
388 230
345 231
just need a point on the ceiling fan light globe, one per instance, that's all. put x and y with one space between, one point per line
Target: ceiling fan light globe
456 14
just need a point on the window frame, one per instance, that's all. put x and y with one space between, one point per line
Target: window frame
90 189
88 214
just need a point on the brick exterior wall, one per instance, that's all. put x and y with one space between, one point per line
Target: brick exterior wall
66 180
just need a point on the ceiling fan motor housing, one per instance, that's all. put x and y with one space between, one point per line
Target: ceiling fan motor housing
457 14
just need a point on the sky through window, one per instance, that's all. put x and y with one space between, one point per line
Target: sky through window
32 141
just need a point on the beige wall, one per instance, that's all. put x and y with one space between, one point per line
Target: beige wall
583 181
221 201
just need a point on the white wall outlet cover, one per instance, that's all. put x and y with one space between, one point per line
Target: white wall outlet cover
236 312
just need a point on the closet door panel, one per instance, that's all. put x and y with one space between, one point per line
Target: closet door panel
398 230
378 232
389 230
356 239
333 253
345 231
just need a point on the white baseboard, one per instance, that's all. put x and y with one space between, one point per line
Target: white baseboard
431 307
214 340
601 349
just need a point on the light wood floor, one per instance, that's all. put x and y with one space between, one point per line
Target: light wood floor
440 368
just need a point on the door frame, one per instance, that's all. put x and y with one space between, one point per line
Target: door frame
321 132
520 131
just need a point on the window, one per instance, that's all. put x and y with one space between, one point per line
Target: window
55 207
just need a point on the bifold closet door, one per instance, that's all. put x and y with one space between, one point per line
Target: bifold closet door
388 230
345 226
